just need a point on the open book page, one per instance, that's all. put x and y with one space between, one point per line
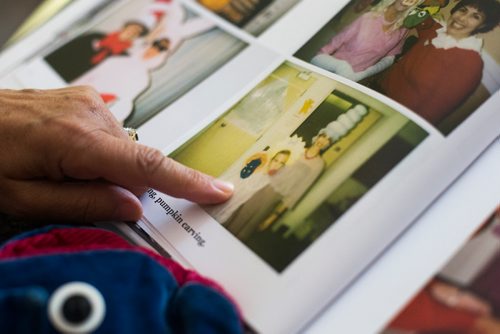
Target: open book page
384 288
307 225
38 14
71 18
137 59
464 297
333 151
312 215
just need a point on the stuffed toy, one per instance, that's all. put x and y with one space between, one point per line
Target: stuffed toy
88 280
253 163
420 14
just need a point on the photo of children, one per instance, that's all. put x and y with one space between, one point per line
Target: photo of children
438 58
120 64
253 16
298 161
465 295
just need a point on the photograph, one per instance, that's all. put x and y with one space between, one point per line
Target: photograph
438 58
253 16
300 149
464 297
144 57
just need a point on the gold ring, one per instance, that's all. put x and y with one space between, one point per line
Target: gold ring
132 134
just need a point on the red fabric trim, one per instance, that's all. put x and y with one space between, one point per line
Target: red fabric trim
74 240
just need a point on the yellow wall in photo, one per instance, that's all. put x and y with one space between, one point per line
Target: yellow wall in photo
223 143
297 85
215 149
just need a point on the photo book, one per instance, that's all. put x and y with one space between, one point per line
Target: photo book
464 296
338 123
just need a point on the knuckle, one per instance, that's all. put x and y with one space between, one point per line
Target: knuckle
193 176
150 160
89 97
186 178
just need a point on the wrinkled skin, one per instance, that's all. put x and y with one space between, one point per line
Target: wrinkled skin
65 157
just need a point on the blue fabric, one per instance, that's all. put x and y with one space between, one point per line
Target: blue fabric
141 296
135 288
208 308
29 305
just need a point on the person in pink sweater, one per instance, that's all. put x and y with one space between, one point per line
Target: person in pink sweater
370 43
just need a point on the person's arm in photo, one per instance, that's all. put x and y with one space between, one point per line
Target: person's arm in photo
383 63
379 66
460 299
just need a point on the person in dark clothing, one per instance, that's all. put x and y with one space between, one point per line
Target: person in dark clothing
86 51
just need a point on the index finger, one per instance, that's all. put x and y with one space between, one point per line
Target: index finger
130 165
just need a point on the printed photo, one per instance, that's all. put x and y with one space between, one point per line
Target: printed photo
253 16
439 58
465 295
144 57
300 149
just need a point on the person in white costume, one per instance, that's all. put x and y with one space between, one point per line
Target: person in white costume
121 79
261 198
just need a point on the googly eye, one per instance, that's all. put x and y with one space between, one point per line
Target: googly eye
422 14
76 308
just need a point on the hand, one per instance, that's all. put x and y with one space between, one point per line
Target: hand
453 297
96 44
65 157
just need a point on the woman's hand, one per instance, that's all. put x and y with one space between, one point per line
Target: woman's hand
453 297
65 157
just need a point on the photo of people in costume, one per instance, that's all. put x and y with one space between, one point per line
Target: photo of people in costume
253 16
300 149
464 297
141 59
439 58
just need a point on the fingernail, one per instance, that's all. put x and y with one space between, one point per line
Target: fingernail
223 186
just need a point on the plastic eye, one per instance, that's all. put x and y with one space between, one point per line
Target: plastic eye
76 308
422 14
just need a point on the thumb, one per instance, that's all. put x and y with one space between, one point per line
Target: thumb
74 201
132 165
